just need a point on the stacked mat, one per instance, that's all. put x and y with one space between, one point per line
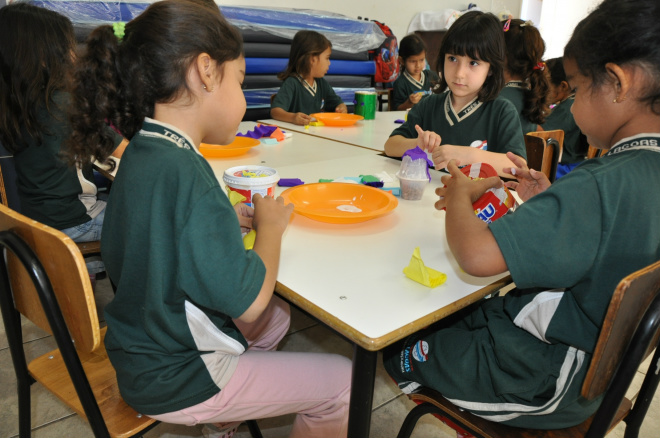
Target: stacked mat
267 35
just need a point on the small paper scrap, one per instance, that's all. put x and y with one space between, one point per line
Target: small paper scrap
290 182
416 270
235 197
249 238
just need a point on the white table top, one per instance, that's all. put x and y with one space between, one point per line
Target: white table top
298 149
371 134
350 275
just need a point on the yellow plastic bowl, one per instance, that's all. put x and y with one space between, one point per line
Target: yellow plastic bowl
340 203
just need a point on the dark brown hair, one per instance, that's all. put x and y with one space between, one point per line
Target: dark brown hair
36 52
524 53
621 32
477 35
120 82
305 45
411 45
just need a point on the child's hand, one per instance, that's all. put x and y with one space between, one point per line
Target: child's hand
415 97
270 212
442 154
301 119
427 140
341 108
530 182
460 186
245 213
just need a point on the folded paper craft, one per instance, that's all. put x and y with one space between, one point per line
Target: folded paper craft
261 131
248 239
416 270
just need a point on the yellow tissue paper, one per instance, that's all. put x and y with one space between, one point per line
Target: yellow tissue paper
417 271
248 239
235 197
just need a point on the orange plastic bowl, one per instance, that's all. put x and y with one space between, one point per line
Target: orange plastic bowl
340 203
240 146
337 119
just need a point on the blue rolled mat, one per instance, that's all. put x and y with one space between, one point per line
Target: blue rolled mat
252 82
337 67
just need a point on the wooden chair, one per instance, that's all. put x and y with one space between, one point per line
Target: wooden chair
86 248
593 152
544 149
630 332
44 278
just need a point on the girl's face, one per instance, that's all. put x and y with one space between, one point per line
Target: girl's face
591 108
229 103
320 63
465 76
415 64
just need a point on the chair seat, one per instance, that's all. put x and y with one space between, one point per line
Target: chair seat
122 421
490 429
89 247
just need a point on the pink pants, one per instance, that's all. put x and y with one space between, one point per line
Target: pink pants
269 383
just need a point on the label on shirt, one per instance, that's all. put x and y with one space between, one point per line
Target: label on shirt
638 142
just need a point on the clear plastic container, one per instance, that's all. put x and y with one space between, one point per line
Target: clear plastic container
413 177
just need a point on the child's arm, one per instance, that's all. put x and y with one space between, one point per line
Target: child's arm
397 145
469 238
271 218
285 116
410 101
467 155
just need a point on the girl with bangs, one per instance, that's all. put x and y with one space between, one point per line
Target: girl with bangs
466 121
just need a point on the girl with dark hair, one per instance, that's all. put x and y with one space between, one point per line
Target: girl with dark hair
522 358
526 82
562 97
37 52
304 91
416 80
194 319
469 113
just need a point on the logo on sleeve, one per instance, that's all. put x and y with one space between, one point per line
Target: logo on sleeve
420 351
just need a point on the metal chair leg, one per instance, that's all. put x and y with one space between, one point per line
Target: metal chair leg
254 429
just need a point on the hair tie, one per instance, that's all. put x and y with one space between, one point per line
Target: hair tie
118 28
539 66
507 25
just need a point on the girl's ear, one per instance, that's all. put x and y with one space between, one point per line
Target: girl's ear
621 80
206 71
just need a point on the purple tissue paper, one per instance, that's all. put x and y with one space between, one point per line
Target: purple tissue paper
290 182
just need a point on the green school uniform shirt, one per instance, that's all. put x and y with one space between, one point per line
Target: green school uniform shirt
50 191
295 95
495 121
575 143
514 92
405 85
522 358
172 244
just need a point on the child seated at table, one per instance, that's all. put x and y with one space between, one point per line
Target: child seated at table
416 80
194 324
468 122
560 117
521 358
526 82
37 51
304 90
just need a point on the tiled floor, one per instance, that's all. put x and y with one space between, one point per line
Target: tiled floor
52 420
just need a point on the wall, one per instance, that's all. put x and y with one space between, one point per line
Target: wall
558 19
393 13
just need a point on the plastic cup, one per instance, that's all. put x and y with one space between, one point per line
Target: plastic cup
412 189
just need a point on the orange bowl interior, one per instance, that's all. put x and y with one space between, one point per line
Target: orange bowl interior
340 203
337 119
240 146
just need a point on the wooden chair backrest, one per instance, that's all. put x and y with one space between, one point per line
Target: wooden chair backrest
66 270
593 152
3 191
542 156
631 298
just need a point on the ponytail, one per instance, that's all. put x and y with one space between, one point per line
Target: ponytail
524 54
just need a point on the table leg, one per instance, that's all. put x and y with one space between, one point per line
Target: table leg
362 392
